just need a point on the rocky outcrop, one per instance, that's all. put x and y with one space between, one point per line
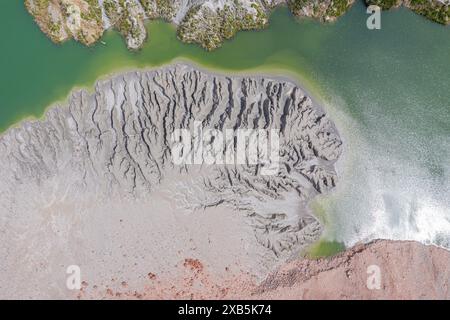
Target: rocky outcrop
406 270
436 10
210 23
206 22
326 11
66 178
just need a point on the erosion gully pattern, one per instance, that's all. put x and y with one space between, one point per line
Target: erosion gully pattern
65 176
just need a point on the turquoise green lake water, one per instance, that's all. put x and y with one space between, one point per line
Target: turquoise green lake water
387 90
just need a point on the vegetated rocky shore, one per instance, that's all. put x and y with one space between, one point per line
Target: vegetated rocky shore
206 22
94 183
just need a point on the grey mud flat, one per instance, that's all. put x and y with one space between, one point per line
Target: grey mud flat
93 184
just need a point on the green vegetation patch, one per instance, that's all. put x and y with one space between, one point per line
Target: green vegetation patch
324 248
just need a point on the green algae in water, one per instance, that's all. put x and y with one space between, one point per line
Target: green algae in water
324 248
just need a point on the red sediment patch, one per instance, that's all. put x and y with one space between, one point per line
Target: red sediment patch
193 264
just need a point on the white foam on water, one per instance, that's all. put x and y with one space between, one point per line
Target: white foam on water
386 189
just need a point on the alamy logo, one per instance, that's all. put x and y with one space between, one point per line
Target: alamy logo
374 277
227 147
374 20
73 281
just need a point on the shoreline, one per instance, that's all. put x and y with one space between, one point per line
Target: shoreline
272 71
343 164
340 119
